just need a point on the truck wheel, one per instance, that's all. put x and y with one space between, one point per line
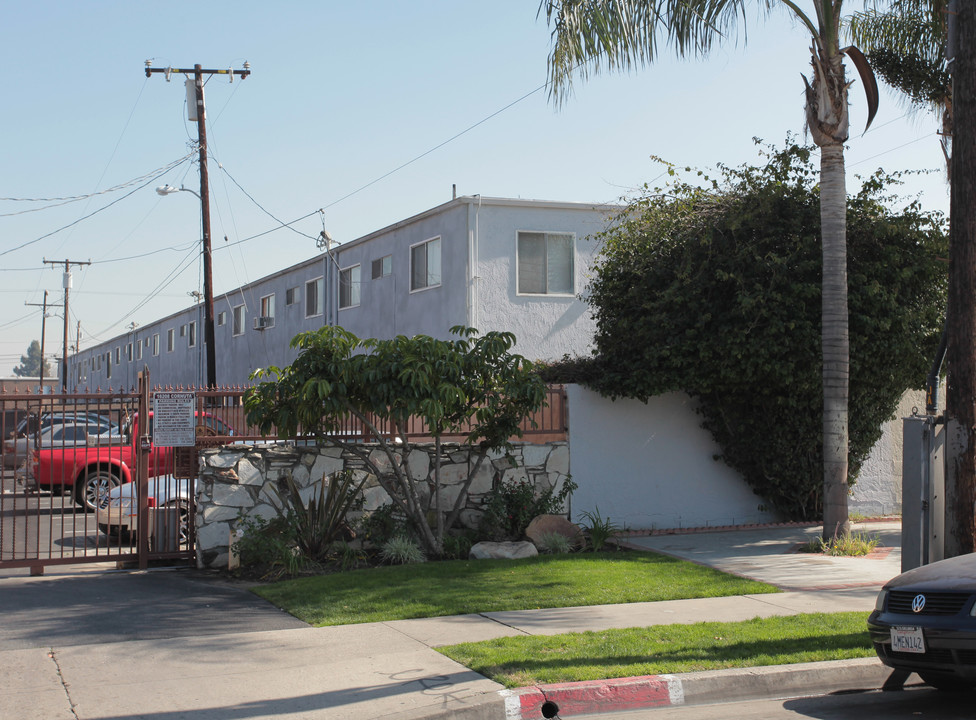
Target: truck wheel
93 486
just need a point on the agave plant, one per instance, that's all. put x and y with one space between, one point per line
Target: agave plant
321 521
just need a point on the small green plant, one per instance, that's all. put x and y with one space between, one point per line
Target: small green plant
457 547
554 544
382 524
267 545
510 506
850 544
401 550
345 556
855 516
599 529
315 525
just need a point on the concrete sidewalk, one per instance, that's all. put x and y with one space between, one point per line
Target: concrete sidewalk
391 670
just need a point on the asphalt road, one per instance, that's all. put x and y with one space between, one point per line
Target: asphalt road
913 703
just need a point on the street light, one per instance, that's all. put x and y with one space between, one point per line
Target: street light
208 304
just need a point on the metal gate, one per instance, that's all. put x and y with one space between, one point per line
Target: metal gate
81 479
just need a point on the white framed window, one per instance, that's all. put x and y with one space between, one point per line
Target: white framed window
349 286
108 365
182 330
128 352
191 334
545 263
221 318
118 356
170 340
382 267
314 297
139 349
238 320
292 296
268 306
155 345
425 264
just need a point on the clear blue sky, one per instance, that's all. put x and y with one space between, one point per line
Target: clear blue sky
340 95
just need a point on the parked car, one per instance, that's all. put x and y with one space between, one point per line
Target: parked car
924 622
117 514
60 431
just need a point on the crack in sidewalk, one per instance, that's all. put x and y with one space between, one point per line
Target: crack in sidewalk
67 691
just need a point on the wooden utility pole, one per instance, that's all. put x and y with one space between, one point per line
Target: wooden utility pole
44 306
67 287
200 113
961 313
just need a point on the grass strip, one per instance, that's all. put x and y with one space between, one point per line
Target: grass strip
458 587
573 657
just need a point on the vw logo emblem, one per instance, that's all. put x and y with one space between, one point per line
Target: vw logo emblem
918 603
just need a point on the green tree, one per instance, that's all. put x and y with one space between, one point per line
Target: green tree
30 364
472 384
616 34
716 291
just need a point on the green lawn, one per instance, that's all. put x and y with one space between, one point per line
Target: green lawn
528 660
459 587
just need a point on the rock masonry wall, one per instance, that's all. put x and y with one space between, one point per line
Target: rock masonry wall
237 481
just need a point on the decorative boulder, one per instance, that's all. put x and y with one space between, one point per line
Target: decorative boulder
502 551
555 525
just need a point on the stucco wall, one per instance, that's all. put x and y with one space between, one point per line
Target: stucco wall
650 466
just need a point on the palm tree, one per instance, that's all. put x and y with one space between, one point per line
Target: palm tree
592 35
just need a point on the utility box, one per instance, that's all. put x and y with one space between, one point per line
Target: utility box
922 491
165 529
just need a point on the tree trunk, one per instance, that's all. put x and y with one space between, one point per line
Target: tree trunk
835 344
961 321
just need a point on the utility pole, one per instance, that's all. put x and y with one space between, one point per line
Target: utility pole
44 307
960 529
66 282
198 109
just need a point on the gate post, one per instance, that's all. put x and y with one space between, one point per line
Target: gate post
144 447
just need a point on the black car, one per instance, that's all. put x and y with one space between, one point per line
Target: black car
925 622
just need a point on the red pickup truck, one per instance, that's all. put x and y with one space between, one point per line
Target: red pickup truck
108 460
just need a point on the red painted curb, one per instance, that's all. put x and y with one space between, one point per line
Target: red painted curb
587 698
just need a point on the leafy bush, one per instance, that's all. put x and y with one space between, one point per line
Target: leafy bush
713 287
510 506
384 523
599 529
401 550
850 544
458 546
267 545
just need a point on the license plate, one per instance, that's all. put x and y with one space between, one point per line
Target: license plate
907 639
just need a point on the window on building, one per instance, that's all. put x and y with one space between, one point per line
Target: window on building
349 287
139 349
155 345
545 263
128 352
118 355
191 334
238 320
268 306
293 295
314 297
108 365
182 330
425 264
221 318
382 267
170 340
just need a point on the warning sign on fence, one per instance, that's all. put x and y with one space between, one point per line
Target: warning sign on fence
174 423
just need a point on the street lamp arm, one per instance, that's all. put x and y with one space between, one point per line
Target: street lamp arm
170 189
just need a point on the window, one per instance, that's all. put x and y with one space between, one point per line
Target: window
221 318
349 287
170 340
99 363
545 263
382 267
267 306
139 349
182 330
118 355
108 365
292 295
155 344
128 352
425 265
314 297
238 320
191 334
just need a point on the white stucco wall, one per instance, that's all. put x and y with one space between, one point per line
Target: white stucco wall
650 466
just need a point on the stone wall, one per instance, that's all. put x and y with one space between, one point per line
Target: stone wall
236 480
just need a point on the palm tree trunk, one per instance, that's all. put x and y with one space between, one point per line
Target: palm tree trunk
835 341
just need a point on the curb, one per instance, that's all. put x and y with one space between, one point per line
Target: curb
696 688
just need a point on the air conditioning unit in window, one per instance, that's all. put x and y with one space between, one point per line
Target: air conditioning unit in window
263 323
